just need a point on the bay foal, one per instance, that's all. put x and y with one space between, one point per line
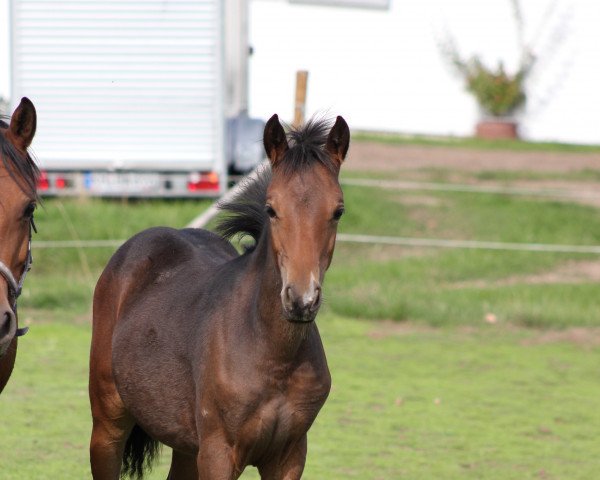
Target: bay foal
217 354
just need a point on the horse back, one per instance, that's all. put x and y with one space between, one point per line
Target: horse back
161 249
154 255
152 258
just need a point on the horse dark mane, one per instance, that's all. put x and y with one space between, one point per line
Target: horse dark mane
245 214
24 173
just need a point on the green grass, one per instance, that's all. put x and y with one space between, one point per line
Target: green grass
63 279
366 282
375 284
45 421
468 216
96 219
426 288
491 403
436 393
474 143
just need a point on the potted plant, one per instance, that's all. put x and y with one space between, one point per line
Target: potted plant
500 94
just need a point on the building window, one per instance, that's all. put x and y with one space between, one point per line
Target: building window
378 4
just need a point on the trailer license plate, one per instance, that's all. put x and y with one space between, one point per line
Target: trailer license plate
122 183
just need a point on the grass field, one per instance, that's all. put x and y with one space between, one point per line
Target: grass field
442 287
447 364
407 402
475 143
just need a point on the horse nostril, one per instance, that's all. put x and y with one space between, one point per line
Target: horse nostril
317 299
6 324
287 296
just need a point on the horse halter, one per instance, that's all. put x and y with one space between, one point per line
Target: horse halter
16 287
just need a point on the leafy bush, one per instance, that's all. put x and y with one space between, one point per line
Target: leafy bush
497 93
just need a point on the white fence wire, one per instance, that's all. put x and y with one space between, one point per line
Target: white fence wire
373 240
203 219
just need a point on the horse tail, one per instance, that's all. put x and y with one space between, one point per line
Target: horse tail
140 452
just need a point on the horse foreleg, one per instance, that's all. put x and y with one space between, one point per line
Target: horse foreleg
287 466
183 467
106 452
216 460
112 424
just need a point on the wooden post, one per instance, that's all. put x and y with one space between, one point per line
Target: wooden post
300 105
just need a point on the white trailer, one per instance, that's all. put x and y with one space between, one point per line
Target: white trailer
134 97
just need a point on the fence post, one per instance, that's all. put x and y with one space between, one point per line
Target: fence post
300 104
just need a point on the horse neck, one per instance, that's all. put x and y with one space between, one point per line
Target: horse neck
281 337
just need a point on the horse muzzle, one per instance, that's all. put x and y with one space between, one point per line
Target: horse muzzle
301 308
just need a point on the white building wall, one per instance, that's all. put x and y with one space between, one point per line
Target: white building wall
382 69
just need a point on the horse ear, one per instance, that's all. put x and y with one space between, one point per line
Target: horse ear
275 140
23 124
338 140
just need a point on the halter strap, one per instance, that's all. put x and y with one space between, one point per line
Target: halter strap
13 285
16 287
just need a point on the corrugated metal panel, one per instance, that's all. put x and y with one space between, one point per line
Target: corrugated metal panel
122 83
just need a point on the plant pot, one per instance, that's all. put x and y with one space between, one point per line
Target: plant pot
497 129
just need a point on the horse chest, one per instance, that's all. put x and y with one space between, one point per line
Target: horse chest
265 416
278 421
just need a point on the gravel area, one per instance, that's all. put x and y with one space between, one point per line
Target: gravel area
374 156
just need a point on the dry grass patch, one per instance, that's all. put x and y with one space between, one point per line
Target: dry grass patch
574 272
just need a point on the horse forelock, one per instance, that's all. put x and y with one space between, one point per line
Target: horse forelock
307 147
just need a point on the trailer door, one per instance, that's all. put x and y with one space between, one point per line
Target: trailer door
122 85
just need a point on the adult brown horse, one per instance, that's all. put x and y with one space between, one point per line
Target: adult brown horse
217 354
18 180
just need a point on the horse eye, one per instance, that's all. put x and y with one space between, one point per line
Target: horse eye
270 211
28 213
338 213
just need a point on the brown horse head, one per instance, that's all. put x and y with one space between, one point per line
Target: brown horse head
18 178
304 203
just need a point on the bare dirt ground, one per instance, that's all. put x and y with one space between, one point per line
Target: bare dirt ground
374 156
586 337
571 272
